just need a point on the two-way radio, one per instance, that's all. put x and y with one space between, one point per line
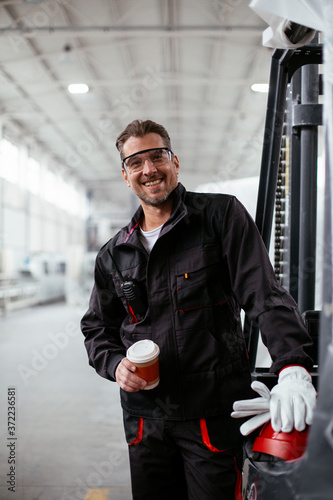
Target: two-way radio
131 290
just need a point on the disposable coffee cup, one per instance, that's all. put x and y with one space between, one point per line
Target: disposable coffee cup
144 355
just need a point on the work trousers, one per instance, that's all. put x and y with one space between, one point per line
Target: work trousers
199 459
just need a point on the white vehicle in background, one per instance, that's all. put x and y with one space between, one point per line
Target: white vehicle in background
48 271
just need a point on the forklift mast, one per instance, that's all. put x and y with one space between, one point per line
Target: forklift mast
288 190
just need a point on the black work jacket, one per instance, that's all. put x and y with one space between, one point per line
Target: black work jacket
208 262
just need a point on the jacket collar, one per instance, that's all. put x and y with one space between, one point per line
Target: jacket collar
129 233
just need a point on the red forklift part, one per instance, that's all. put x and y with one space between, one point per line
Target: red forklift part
286 445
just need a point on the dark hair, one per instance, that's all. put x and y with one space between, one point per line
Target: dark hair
139 128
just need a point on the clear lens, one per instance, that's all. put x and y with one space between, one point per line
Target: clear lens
156 157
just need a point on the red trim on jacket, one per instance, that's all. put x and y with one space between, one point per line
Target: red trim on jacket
131 231
132 313
205 437
139 433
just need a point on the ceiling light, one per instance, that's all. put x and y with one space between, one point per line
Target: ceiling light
260 87
78 88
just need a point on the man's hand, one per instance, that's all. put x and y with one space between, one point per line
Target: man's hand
126 377
290 404
293 400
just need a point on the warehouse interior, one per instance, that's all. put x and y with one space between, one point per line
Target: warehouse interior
73 74
188 65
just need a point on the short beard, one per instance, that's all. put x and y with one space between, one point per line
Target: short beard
156 202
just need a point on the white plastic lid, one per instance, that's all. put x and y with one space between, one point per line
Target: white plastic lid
142 351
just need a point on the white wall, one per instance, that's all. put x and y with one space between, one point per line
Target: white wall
32 221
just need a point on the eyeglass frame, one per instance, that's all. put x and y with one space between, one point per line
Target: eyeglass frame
139 153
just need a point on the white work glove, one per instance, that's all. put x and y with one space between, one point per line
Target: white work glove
257 408
290 403
293 400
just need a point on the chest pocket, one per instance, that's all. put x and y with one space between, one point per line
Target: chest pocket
199 281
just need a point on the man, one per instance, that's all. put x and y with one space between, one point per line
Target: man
195 260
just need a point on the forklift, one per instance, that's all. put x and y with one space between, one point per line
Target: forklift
287 207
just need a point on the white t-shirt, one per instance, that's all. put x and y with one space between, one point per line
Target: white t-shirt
148 238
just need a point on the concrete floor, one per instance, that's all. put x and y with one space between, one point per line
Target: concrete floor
70 443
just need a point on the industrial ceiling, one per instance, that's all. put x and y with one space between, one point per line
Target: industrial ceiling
187 64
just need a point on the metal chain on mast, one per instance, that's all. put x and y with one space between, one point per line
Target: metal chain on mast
280 209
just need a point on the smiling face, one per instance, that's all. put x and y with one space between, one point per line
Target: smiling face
152 185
